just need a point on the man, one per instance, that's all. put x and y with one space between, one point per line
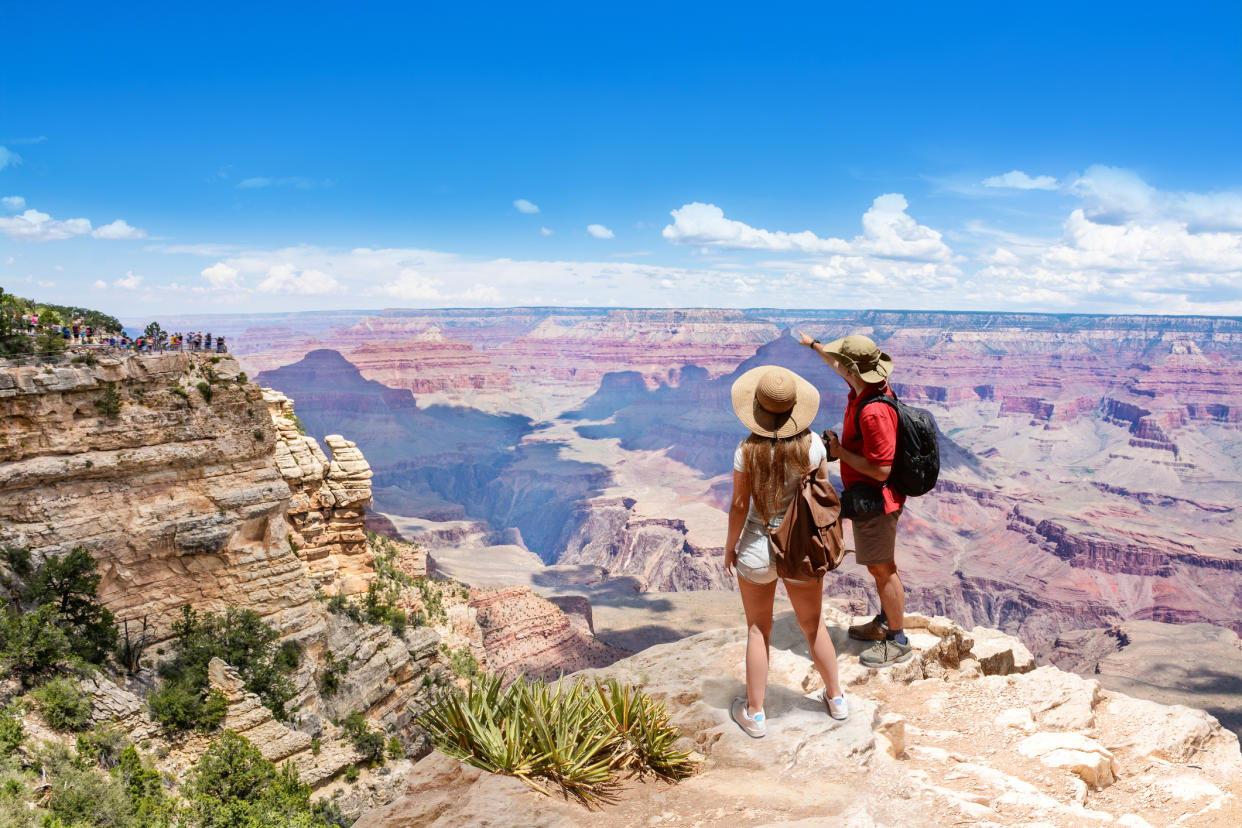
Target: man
866 453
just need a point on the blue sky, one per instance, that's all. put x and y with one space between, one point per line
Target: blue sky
308 156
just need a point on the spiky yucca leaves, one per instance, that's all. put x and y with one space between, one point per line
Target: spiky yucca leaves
577 736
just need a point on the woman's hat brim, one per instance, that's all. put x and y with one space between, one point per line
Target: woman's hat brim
765 423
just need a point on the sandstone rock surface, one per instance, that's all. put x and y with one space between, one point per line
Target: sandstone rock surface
916 750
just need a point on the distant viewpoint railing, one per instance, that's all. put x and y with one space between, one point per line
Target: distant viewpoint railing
85 353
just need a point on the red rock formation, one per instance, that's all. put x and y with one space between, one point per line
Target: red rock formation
523 633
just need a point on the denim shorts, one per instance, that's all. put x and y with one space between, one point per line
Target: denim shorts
754 559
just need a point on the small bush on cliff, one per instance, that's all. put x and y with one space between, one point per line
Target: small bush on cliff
12 733
178 705
366 740
109 403
63 704
238 637
233 786
61 592
579 737
206 390
103 745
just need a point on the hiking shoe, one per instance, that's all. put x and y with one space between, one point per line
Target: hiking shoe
755 726
837 708
873 630
885 653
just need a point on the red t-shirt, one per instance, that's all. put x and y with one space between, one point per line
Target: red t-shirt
877 443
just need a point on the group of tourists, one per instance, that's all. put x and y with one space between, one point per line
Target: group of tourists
77 332
196 341
770 468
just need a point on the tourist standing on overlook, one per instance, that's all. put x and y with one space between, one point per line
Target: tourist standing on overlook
777 406
866 449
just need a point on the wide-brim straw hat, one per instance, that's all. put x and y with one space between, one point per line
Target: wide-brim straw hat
862 356
773 401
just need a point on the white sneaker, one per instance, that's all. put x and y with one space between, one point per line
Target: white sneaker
837 708
755 726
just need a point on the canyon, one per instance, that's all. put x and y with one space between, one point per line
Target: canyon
1092 465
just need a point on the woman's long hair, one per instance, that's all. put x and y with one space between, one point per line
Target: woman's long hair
769 463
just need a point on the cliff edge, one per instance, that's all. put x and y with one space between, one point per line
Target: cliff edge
967 732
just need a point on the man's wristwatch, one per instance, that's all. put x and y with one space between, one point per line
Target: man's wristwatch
814 342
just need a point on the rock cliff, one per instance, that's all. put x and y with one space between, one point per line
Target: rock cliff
964 733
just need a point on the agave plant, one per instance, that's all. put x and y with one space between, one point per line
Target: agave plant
579 737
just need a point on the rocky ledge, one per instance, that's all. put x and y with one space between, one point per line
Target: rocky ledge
966 732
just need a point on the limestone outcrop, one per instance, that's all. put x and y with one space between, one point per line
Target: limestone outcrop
328 500
933 741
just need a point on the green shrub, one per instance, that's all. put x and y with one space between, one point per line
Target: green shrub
233 786
63 704
242 379
351 774
366 740
103 745
330 674
109 403
85 359
180 392
316 746
33 644
206 390
12 733
397 620
463 663
70 584
240 639
288 656
257 434
394 749
141 783
81 795
579 737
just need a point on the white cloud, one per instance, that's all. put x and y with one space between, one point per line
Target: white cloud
298 182
130 281
220 275
13 203
1129 247
888 232
100 284
599 231
1111 195
1018 180
524 206
40 227
546 231
118 229
8 158
285 278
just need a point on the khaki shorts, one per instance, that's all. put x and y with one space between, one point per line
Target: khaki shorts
875 538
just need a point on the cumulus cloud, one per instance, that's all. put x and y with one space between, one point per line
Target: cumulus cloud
221 276
1018 180
599 231
286 278
40 227
130 281
8 158
412 286
118 229
1111 195
1129 245
888 232
524 206
546 231
13 203
100 284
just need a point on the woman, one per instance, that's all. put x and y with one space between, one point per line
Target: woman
777 406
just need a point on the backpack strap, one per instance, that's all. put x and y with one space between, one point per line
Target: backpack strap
882 397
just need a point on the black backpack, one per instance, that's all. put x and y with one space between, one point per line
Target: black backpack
917 462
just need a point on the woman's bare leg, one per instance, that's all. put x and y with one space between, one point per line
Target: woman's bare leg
808 603
757 602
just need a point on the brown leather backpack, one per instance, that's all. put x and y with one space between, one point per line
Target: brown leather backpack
808 542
